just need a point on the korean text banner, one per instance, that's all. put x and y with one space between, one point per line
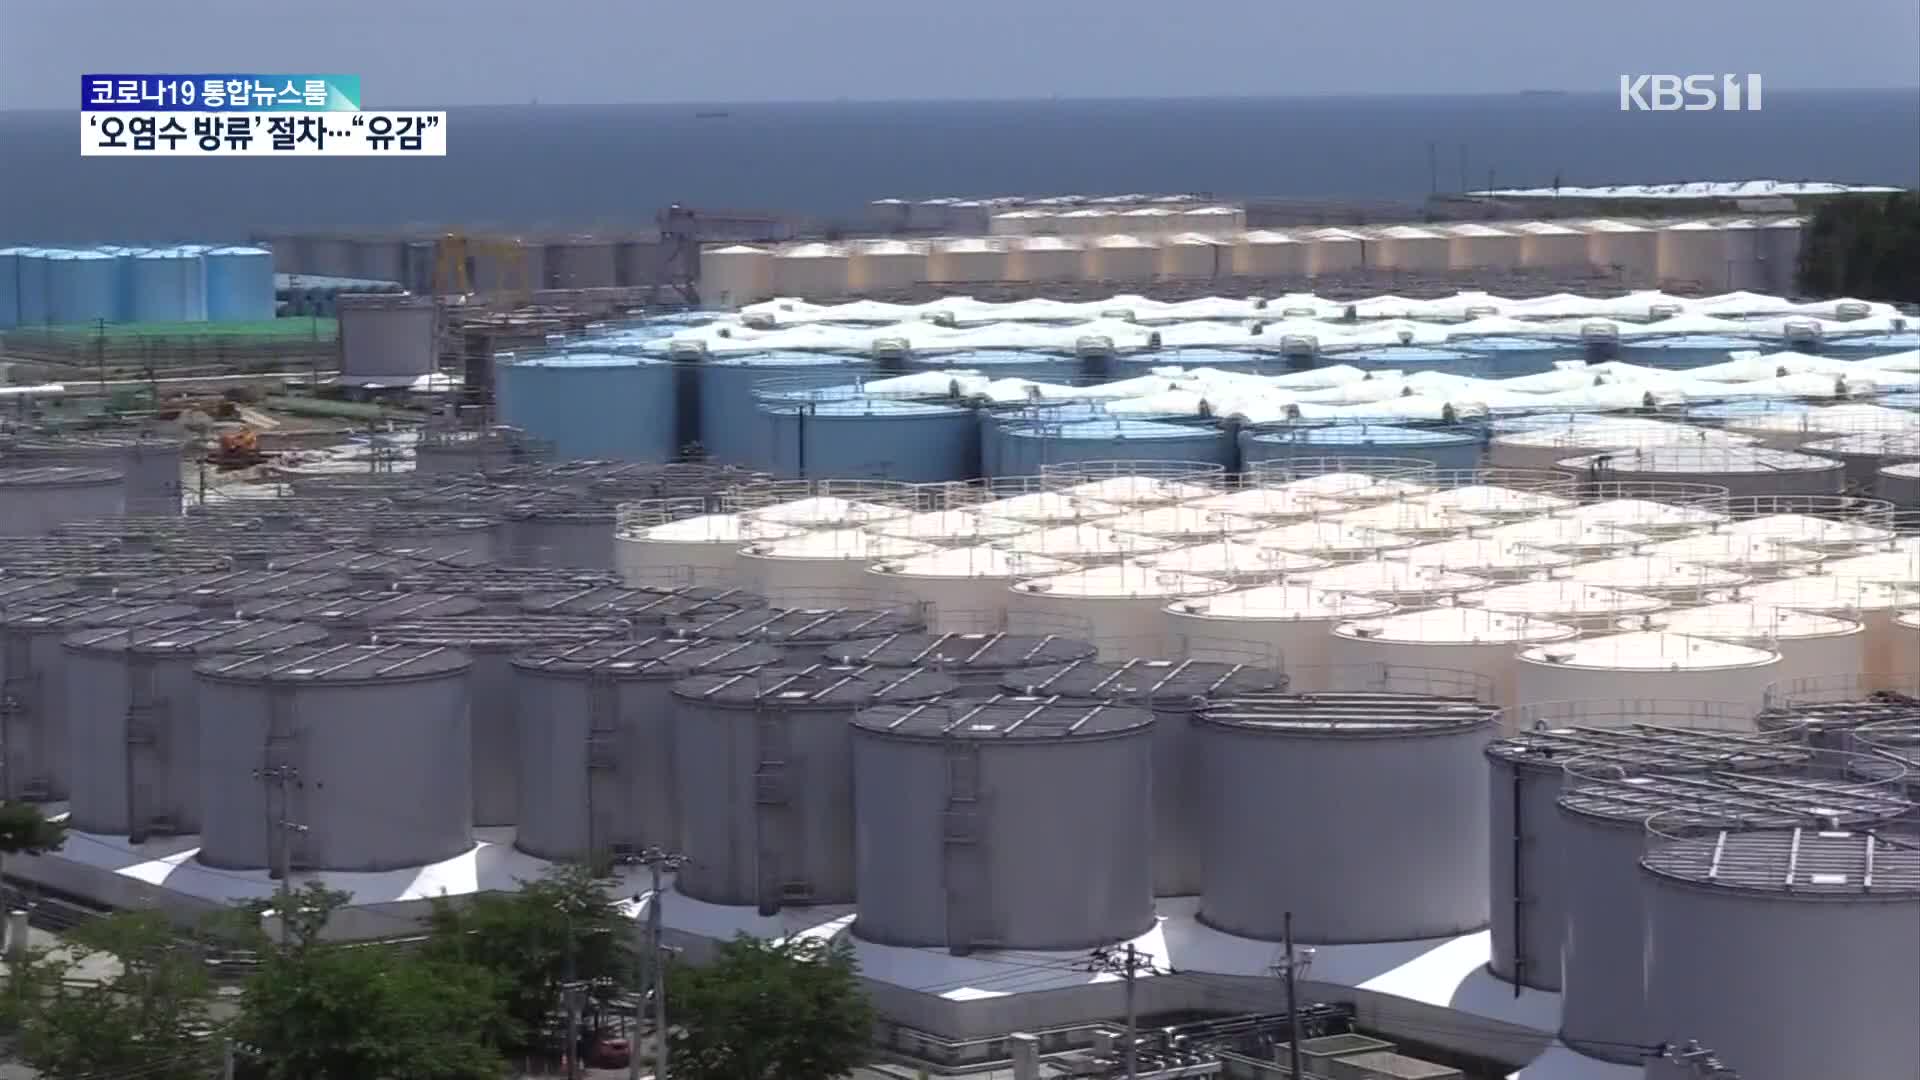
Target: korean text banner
178 134
220 93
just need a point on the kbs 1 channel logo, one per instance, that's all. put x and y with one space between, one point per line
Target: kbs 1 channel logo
218 115
1690 93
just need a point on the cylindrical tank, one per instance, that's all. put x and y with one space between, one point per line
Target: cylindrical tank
239 284
735 274
361 746
1269 254
1410 249
968 260
1569 603
973 660
794 570
1119 258
1899 484
150 462
488 644
1674 666
1445 449
964 589
919 442
1547 244
764 762
1742 470
1045 259
803 634
962 839
1871 603
1454 639
886 265
1482 247
1291 622
169 285
1629 252
353 618
1193 257
1026 449
1694 254
500 590
811 271
1555 447
1172 690
562 533
36 500
1484 557
1838 910
1272 759
1758 557
133 712
1406 584
1232 561
596 754
1335 251
388 337
665 538
82 287
1653 575
1123 602
1810 645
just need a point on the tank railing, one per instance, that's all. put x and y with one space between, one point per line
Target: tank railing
1689 718
1904 523
1550 483
1212 648
1891 688
1102 547
1278 472
1680 493
1760 777
1897 740
765 498
1845 791
1134 483
1384 678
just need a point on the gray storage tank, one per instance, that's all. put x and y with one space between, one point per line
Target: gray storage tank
596 747
134 719
561 532
764 762
488 644
980 663
352 618
1790 953
33 684
1276 763
1002 823
225 593
1637 737
1173 690
358 745
803 633
501 590
1603 994
150 463
36 500
644 608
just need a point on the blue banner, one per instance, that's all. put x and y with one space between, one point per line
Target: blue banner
214 93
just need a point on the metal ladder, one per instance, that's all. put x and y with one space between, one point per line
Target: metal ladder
286 820
144 716
776 842
603 757
963 861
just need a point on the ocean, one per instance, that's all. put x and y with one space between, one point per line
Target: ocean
586 167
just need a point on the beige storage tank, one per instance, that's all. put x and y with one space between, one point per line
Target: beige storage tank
1335 251
1021 223
1124 603
1148 222
1402 584
652 545
1045 258
1222 221
1747 268
1653 575
967 260
1119 257
1404 247
1628 250
811 271
1656 665
1570 603
1292 622
1451 639
965 589
1482 247
1811 646
1087 222
1231 560
735 275
1873 604
881 265
1265 253
1546 244
1485 557
1780 243
793 572
1190 256
1694 254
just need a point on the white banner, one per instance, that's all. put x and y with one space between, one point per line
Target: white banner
289 134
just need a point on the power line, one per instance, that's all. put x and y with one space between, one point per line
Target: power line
654 958
1126 962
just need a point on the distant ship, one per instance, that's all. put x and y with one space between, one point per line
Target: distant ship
1543 93
711 115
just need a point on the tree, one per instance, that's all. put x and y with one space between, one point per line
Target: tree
524 939
318 1010
151 1018
24 830
1867 247
791 1010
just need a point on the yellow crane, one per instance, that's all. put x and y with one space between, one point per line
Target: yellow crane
458 257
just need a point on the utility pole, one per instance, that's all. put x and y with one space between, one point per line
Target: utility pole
654 956
570 994
1289 969
1127 963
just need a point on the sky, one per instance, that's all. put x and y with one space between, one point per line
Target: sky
462 52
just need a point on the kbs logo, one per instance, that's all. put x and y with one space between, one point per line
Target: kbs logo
1689 93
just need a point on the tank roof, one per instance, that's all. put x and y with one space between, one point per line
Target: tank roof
828 510
1640 513
800 626
1388 577
1724 549
1181 521
207 637
821 686
1640 748
961 652
57 476
1086 540
1165 682
716 529
338 664
1284 602
982 560
837 544
506 581
1482 553
1352 486
1563 532
1828 864
1808 529
1045 506
1230 558
1409 516
1121 581
948 526
1826 592
252 584
1640 572
1004 718
29 590
650 659
1323 535
1268 502
1349 714
1561 597
79 613
362 608
1649 651
1708 460
474 632
1456 626
642 605
1743 621
1725 799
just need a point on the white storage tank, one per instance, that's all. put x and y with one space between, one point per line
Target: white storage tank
1811 646
1088 544
1291 622
1269 254
1045 258
964 589
967 260
794 571
1449 638
1122 602
1693 254
1212 220
1482 247
1231 560
1627 250
1742 470
1120 258
1335 251
961 839
1658 664
1484 557
653 542
1780 242
1570 603
1548 244
735 275
811 271
886 265
1873 604
1401 583
1411 249
1654 575
1192 256
1731 914
1754 556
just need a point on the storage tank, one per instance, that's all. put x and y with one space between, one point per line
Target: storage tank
352 619
797 569
1864 454
1694 255
598 759
1335 251
1657 509
659 539
963 589
133 712
1401 583
1780 241
1123 602
487 644
385 337
1274 759
500 590
1172 690
647 609
351 742
1605 824
1873 604
1045 258
1484 557
583 262
34 310
1662 664
1148 222
732 429
1654 575
980 663
1810 645
1551 447
811 271
239 284
967 260
1629 251
1409 249
1569 603
1291 623
919 442
803 634
1192 256
1232 561
1445 449
10 286
1482 247
1547 244
1452 639
1025 449
1120 258
764 762
36 500
1269 254
1899 484
83 287
1837 909
169 285
150 462
886 265
1755 556
1742 470
1528 766
562 532
735 275
962 839
1220 221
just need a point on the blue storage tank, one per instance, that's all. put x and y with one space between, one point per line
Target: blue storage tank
913 441
1024 449
122 279
239 284
33 286
730 427
169 285
1689 350
10 286
82 287
1447 449
1001 364
592 406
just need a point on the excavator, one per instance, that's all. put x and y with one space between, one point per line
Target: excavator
236 448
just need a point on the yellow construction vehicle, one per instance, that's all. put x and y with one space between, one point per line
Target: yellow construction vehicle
459 256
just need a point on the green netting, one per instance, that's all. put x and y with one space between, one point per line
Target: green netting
266 330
